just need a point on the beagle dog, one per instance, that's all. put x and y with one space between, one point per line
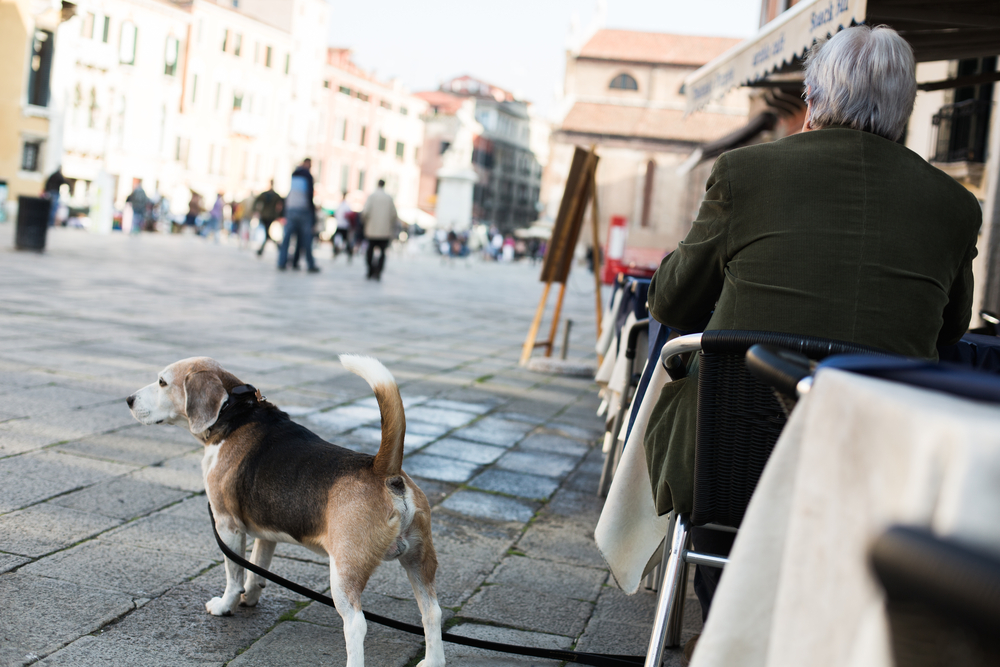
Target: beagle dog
273 480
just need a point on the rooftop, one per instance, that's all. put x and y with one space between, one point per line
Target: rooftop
641 122
655 47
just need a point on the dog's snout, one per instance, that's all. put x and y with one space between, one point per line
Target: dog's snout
130 400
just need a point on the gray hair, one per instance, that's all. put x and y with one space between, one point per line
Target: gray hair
864 78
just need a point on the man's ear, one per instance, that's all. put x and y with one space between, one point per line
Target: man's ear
203 399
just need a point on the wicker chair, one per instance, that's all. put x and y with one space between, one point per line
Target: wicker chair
739 420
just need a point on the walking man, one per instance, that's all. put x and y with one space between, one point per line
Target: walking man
343 233
139 202
379 219
300 216
53 183
269 205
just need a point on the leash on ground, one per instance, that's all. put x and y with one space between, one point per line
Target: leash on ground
596 659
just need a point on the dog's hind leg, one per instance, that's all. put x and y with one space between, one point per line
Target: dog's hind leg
420 563
347 598
263 550
237 541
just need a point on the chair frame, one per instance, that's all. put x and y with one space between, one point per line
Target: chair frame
676 546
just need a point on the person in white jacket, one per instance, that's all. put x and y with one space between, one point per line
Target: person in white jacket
379 220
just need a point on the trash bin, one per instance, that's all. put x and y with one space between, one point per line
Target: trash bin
32 223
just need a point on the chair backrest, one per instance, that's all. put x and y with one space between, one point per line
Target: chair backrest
942 598
740 418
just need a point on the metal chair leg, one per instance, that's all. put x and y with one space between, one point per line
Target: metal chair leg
614 453
673 587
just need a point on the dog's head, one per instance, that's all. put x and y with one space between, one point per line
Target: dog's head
190 391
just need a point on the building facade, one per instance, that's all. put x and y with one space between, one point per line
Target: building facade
368 130
480 166
183 96
622 94
28 32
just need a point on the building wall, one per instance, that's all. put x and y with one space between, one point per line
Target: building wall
20 121
389 116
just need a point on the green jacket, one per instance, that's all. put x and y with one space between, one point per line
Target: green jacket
835 233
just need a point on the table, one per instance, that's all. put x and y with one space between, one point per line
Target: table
858 454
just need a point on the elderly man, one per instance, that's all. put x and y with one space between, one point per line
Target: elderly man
379 218
838 232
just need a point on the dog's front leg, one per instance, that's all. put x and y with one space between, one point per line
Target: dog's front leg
263 550
236 540
349 607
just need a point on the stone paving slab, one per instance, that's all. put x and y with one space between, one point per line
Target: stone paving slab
464 450
37 476
490 506
515 484
45 528
121 498
457 654
527 609
69 612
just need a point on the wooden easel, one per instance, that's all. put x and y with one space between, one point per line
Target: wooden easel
580 188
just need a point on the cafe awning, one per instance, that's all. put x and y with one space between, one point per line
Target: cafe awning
935 29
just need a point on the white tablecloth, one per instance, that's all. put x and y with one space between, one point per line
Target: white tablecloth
857 455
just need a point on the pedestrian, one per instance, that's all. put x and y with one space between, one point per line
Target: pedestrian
838 231
216 216
300 216
268 205
379 219
53 184
139 202
343 233
195 207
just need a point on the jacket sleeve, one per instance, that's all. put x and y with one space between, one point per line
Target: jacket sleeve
958 313
688 282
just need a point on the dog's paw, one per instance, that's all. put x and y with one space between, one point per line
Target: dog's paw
250 599
218 607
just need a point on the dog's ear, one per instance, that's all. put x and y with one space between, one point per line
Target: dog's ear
203 399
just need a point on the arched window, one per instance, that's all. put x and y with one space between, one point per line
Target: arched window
624 82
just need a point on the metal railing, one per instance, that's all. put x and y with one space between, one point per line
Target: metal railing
960 131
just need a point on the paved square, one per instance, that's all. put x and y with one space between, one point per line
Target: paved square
105 519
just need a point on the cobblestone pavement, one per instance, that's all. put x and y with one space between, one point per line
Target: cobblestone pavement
106 552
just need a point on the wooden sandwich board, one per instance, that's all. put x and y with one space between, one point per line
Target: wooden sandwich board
580 189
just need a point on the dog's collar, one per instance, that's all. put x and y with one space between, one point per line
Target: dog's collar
242 392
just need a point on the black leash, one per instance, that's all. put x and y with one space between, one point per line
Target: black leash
596 659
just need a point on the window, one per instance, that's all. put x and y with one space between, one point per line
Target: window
288 62
267 56
237 44
362 96
403 111
218 95
400 150
361 179
343 130
92 110
225 41
345 174
385 105
182 149
445 145
381 142
364 134
237 101
87 27
194 88
170 58
624 82
30 153
345 90
326 83
41 67
126 44
106 32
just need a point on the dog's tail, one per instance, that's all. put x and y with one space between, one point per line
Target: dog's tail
389 459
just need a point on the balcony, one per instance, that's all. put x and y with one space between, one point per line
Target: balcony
960 135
